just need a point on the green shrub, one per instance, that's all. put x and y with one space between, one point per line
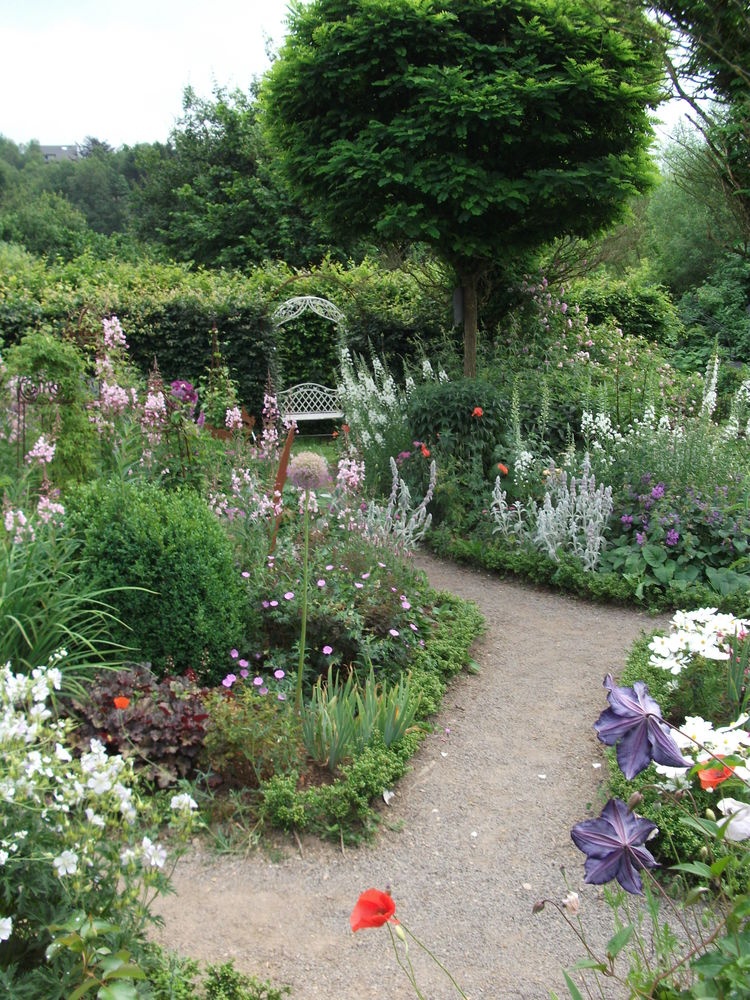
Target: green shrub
249 736
639 307
464 419
184 605
63 417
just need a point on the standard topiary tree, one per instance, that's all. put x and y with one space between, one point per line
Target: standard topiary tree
483 129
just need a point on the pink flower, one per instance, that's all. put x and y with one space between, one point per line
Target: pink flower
327 650
229 680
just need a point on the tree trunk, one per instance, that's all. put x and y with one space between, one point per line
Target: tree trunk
469 289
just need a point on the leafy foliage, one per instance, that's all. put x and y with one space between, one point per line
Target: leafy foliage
159 724
460 124
183 605
46 604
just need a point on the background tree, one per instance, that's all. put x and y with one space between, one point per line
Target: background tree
211 195
483 129
710 70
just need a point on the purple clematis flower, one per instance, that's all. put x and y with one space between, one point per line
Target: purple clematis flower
633 722
613 845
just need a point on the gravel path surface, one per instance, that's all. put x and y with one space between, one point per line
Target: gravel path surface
476 832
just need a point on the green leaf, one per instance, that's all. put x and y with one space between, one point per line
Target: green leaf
653 555
118 991
572 988
694 868
619 940
83 989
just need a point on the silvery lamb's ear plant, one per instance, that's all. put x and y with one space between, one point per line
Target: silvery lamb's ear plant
572 518
398 524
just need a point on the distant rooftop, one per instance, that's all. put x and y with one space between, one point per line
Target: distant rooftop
50 153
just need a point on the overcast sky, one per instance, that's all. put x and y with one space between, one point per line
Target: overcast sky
116 69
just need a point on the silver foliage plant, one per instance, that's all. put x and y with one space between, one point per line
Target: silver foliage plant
573 516
395 524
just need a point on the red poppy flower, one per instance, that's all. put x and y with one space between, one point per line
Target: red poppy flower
477 411
710 776
345 428
373 909
425 451
503 468
121 702
335 434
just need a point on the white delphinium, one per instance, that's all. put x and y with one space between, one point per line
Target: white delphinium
708 404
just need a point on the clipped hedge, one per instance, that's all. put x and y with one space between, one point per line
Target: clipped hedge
168 312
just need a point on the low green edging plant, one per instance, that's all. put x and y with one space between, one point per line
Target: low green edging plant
567 574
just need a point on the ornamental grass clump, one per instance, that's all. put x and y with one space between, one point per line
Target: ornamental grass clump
343 716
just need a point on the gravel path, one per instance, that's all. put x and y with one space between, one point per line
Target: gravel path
477 831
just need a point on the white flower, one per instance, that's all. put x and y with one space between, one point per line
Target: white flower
571 903
66 863
99 783
127 856
183 801
738 826
94 819
6 928
153 853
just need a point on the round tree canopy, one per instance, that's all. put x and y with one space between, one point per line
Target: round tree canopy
477 126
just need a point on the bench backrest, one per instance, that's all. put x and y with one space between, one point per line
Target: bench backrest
309 401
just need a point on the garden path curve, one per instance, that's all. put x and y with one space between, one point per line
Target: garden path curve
476 832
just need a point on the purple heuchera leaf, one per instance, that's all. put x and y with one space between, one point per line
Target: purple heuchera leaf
613 846
633 722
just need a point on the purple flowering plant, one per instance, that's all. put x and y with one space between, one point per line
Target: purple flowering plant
683 954
666 538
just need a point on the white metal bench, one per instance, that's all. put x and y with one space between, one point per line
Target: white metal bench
309 401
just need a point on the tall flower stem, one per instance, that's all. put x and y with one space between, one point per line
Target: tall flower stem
303 610
402 933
